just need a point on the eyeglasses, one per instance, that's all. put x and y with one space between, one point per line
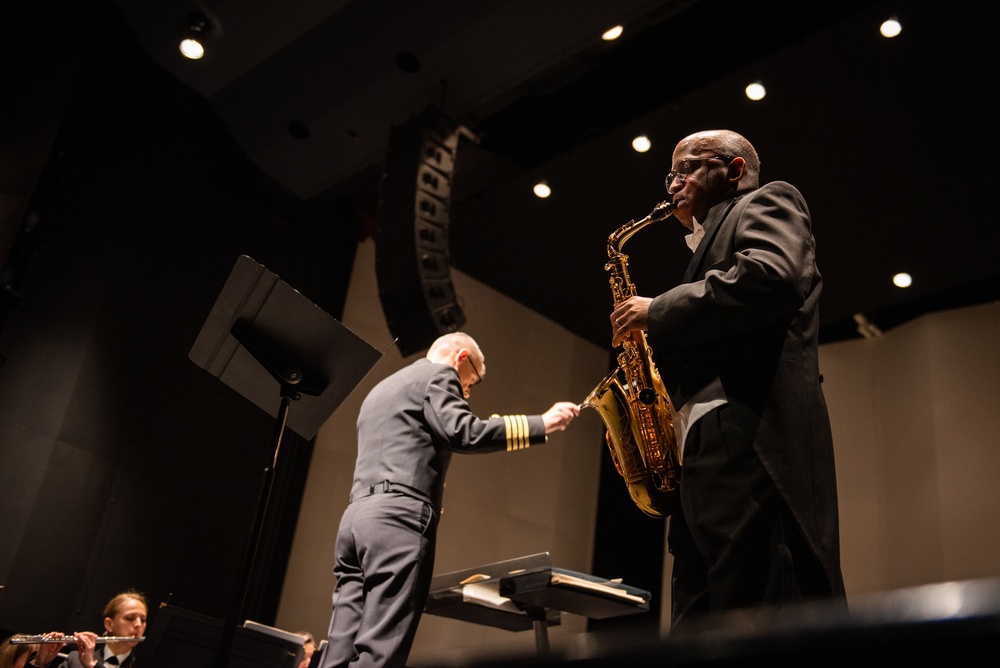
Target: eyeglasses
479 378
687 167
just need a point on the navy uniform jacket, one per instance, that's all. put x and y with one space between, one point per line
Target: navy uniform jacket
411 423
747 313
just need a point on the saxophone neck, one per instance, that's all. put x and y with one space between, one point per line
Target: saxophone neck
618 238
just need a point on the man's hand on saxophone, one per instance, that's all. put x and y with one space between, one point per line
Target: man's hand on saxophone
628 316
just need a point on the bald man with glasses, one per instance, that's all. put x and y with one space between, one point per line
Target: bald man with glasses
409 426
736 345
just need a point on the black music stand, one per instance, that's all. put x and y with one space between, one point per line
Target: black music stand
268 342
528 592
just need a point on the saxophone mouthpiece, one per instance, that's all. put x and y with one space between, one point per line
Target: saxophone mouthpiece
663 209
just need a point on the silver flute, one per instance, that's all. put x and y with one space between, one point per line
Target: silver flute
23 639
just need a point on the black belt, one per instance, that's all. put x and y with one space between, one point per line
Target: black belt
386 487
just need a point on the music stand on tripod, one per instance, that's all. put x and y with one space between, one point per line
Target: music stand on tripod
268 342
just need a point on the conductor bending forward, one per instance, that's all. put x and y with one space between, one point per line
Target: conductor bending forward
408 427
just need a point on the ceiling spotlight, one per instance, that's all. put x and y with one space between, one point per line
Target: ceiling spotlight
755 91
641 144
542 190
193 44
902 280
192 48
890 27
612 34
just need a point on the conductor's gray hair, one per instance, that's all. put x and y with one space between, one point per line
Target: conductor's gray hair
448 344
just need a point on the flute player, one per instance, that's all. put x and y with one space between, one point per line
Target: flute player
124 616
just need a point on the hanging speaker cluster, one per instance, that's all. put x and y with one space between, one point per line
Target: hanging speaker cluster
412 262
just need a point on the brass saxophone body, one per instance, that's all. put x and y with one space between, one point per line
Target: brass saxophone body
632 400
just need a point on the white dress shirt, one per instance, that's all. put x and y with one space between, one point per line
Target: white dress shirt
712 395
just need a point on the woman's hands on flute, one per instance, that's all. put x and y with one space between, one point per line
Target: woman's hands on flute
85 644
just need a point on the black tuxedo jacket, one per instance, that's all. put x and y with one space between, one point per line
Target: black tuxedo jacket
72 660
748 314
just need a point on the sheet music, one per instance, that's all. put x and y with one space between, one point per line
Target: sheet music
273 631
488 594
564 579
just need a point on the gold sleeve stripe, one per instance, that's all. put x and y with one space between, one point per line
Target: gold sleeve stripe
517 432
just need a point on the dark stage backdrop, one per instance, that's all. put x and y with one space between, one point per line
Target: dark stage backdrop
123 464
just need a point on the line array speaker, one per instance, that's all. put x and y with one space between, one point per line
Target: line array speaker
412 262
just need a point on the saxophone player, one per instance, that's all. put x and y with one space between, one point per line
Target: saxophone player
736 346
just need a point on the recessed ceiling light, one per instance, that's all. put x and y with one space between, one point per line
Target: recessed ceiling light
641 143
902 280
192 46
755 91
612 33
890 27
542 189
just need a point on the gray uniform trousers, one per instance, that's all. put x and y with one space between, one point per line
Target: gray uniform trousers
385 562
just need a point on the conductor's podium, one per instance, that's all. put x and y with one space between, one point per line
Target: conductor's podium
528 592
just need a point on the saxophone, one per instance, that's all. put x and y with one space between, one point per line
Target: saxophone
633 401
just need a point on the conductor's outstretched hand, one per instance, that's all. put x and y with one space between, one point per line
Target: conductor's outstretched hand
559 416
